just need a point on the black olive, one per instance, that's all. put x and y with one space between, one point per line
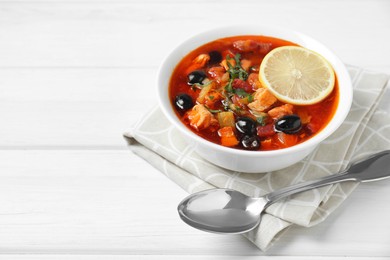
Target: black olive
197 76
289 124
246 125
183 102
215 57
250 142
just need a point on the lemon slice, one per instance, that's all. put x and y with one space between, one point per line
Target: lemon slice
297 75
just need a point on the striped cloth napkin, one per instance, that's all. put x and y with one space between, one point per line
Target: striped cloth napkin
366 130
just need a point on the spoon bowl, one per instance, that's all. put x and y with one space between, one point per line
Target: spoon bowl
232 212
221 211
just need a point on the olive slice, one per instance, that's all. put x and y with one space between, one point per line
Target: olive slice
246 125
250 142
183 102
197 76
288 124
215 57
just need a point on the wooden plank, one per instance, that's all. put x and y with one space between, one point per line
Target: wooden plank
95 202
62 34
111 202
77 84
72 107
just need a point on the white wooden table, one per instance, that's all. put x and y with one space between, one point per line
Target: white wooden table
74 75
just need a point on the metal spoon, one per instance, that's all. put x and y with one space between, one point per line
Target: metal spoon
230 211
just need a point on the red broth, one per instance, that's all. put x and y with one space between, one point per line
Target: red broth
220 109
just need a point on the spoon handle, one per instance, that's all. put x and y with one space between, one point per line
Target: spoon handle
374 167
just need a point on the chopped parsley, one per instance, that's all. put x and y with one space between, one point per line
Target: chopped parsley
235 71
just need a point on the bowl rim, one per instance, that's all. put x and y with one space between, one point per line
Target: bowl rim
183 48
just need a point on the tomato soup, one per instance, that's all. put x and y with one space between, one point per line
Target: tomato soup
216 92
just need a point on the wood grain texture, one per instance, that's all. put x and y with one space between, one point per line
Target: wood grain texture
109 202
74 75
106 34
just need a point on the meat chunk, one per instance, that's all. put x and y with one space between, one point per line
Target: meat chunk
238 83
219 74
199 62
277 112
200 118
263 99
245 46
202 59
253 80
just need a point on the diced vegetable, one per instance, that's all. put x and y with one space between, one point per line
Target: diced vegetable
267 144
226 119
227 136
245 100
205 91
246 64
287 140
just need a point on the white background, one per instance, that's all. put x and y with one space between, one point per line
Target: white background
75 75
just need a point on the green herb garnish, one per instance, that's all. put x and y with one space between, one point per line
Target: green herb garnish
240 92
213 111
236 71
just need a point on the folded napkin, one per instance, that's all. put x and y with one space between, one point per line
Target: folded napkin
366 130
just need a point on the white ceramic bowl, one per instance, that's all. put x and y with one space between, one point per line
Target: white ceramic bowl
253 161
